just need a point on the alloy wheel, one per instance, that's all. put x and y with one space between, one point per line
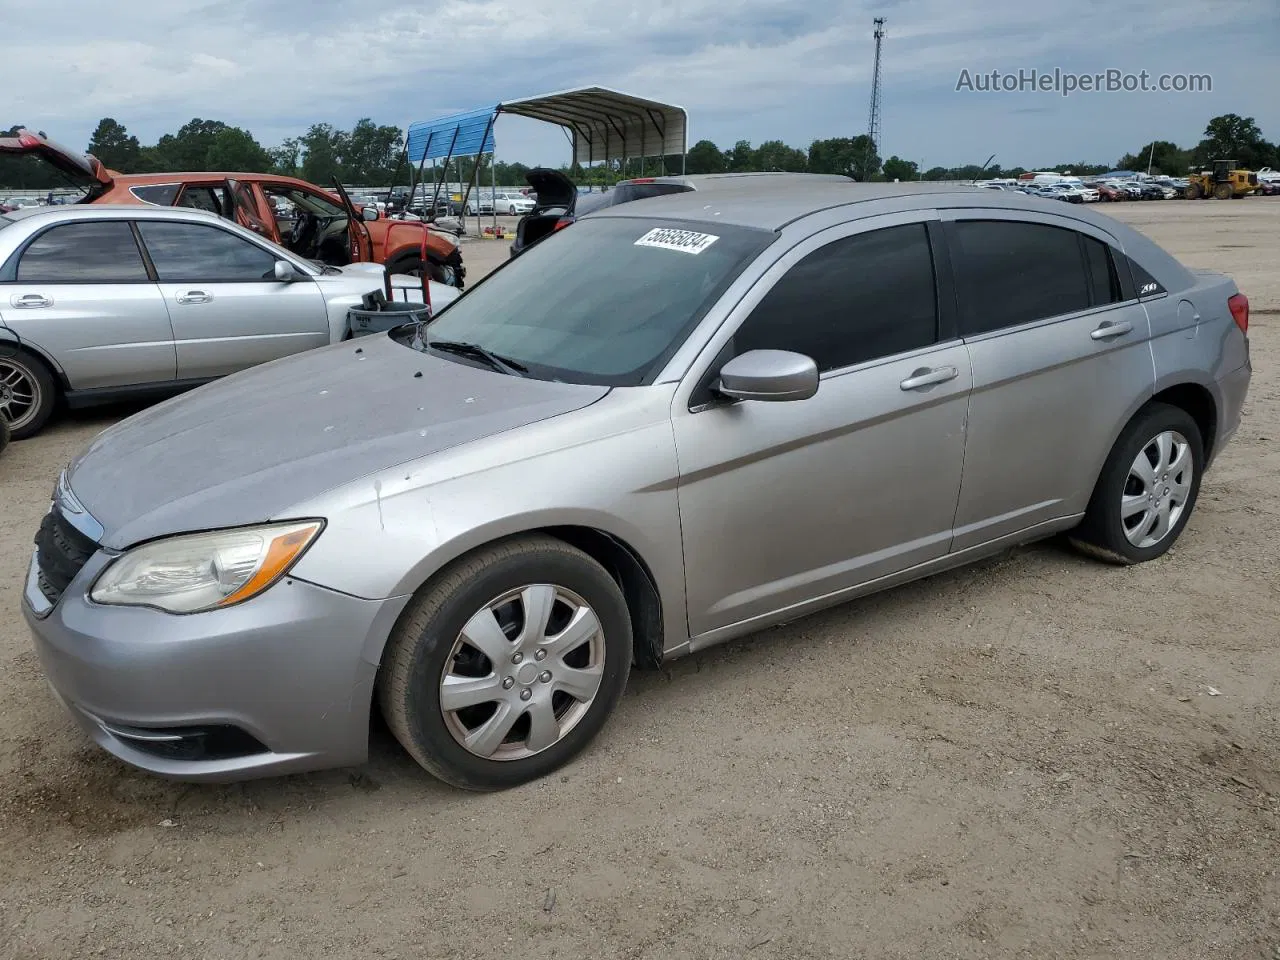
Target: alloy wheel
20 394
1157 489
523 672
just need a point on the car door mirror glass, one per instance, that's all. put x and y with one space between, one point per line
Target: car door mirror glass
370 213
769 375
284 271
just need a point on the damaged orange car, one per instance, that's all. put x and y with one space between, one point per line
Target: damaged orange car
311 222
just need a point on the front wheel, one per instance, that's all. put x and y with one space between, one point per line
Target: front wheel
1147 489
439 272
507 665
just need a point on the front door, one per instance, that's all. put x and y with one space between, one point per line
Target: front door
81 293
250 211
357 232
782 503
228 311
1061 360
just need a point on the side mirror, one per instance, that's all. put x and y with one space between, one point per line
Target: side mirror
284 272
370 213
769 375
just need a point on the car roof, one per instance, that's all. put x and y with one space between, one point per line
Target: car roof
772 204
90 211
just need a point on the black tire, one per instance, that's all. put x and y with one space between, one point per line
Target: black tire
439 272
4 434
423 641
24 370
1102 534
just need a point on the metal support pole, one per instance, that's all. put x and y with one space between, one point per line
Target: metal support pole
435 197
475 173
493 192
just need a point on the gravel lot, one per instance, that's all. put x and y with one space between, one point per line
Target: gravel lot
1022 759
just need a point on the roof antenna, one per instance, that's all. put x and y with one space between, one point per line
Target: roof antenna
974 181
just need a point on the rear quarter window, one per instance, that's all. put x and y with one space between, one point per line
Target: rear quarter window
159 194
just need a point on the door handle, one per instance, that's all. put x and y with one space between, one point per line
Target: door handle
925 377
194 296
1109 330
30 301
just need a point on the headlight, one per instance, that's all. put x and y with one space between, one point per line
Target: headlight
204 571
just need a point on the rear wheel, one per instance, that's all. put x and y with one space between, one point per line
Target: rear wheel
1147 489
412 265
28 392
505 667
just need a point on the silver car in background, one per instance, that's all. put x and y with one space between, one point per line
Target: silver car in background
100 303
683 420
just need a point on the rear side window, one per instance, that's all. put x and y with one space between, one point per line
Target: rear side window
102 252
856 299
1009 273
1144 283
193 251
159 194
1104 284
201 198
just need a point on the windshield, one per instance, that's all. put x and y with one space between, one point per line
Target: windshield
606 301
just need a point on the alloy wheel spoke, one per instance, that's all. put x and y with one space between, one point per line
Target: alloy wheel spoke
1179 490
1143 470
457 693
485 739
1181 460
580 683
544 728
1165 452
1163 522
582 627
537 601
485 634
1133 504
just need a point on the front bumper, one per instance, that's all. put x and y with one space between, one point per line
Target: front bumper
284 673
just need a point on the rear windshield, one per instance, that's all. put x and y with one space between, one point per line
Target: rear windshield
605 301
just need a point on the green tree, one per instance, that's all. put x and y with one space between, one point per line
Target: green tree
1233 137
323 146
775 155
285 158
850 156
370 152
112 144
234 149
895 168
742 158
1164 156
188 149
704 157
937 173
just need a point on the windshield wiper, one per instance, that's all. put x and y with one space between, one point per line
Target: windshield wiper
501 364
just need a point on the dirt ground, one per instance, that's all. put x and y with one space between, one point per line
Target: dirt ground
1039 757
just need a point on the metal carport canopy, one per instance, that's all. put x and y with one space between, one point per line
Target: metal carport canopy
608 124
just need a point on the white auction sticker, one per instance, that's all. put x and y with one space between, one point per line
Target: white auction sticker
668 238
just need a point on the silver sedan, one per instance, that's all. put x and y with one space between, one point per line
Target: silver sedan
683 420
99 303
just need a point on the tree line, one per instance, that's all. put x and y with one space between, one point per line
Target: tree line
372 154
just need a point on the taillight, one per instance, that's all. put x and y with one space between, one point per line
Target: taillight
1239 307
562 223
28 140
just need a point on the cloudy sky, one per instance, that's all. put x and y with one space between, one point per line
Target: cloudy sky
794 70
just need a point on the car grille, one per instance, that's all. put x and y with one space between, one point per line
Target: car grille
61 552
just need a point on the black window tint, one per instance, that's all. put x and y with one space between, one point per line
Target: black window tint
84 253
201 198
161 194
193 251
856 299
1009 273
1104 287
1146 284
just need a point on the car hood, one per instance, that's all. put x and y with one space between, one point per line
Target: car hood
246 448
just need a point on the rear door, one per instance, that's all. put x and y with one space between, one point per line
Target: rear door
227 310
250 211
81 292
1061 359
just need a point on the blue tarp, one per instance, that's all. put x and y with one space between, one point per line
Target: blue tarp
432 139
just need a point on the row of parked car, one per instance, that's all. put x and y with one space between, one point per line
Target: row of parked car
1077 190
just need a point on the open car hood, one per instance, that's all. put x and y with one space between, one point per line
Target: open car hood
553 188
84 168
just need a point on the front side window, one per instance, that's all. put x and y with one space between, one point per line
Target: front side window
102 252
1010 272
196 252
604 302
856 299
